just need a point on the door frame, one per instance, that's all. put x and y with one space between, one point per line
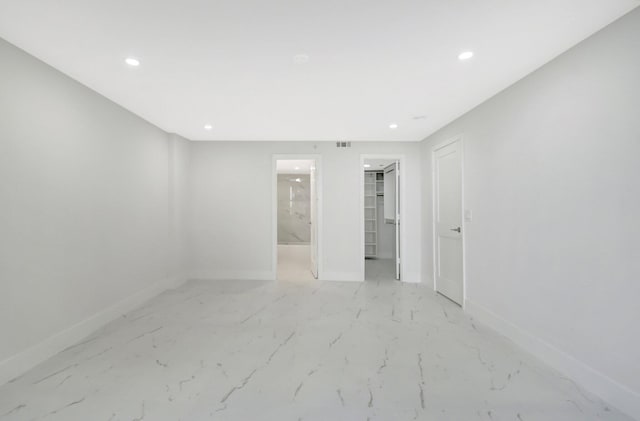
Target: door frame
434 149
403 221
274 208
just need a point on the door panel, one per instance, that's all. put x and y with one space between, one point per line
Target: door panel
397 219
392 206
313 213
448 221
390 194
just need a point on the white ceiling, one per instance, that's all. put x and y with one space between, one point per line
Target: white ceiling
230 63
378 164
294 166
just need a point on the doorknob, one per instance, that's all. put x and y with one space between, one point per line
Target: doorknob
456 229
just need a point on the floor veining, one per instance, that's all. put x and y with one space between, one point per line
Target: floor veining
295 351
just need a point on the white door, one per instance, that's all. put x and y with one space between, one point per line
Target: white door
448 221
397 220
313 213
392 205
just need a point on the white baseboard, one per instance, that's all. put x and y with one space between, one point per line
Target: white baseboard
235 275
258 275
616 394
18 364
341 276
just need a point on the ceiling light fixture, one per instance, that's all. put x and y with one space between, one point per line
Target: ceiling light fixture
465 55
367 165
393 126
301 59
134 62
208 127
296 168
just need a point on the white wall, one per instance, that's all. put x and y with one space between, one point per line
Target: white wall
230 234
552 175
90 219
178 177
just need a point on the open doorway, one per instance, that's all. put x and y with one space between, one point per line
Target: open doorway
296 214
381 192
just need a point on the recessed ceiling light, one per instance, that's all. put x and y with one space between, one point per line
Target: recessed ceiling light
367 165
393 126
301 58
465 55
132 61
208 127
296 168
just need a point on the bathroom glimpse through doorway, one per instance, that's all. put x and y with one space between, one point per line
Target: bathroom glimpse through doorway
296 218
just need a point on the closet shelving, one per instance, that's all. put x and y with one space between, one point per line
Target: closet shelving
373 187
380 183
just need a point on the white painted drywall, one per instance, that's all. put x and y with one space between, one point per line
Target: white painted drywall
178 176
230 222
552 175
90 218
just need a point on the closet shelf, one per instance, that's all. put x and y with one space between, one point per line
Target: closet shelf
374 185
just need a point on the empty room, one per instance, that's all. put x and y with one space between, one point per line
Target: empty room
319 210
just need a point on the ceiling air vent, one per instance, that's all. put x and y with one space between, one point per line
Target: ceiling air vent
342 144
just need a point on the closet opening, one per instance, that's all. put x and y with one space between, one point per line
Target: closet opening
296 212
381 221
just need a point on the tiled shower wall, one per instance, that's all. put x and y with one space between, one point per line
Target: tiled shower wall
293 209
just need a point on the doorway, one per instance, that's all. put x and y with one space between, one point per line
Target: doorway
296 217
447 221
381 218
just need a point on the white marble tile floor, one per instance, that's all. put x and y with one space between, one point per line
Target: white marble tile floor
379 270
294 263
243 350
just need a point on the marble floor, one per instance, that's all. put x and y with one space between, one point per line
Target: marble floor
379 270
248 350
294 263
